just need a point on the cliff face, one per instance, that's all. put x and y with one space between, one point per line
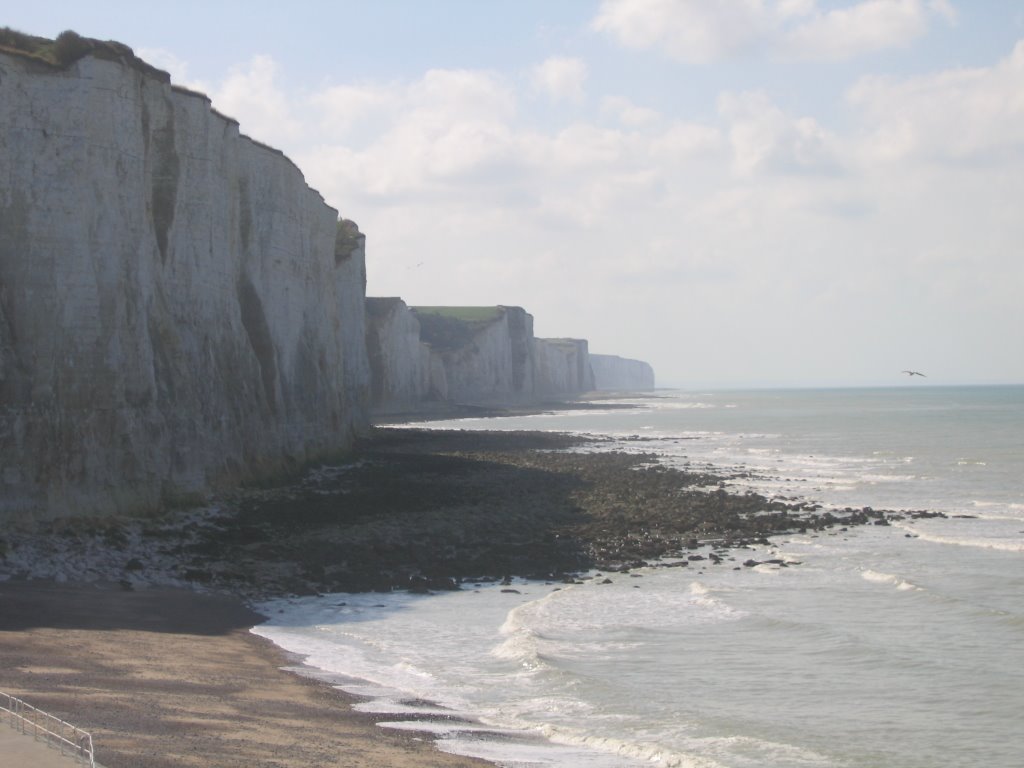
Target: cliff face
467 355
562 367
174 312
619 373
403 370
485 359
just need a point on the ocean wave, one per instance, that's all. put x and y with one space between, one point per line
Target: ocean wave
522 647
882 478
654 754
887 578
694 752
980 508
683 406
1001 544
522 634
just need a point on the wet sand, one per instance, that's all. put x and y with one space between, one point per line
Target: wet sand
173 678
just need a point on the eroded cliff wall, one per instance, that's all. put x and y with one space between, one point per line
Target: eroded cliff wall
562 367
174 311
467 355
403 371
612 372
487 358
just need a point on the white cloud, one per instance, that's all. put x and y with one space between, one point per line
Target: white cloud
870 25
683 140
250 94
168 61
344 106
461 93
945 9
561 79
764 139
956 115
689 30
698 31
792 8
628 113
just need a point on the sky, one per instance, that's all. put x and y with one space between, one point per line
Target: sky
743 193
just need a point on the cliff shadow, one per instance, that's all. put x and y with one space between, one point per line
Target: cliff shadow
417 509
37 604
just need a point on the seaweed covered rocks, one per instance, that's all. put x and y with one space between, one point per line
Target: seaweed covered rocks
425 510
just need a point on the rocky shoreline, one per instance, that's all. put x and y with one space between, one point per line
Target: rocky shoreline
427 510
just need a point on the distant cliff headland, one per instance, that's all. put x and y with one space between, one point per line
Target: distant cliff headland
179 311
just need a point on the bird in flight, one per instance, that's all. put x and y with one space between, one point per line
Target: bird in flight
914 373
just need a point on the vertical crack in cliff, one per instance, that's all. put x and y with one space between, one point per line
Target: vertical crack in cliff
8 354
519 336
258 330
14 243
164 191
167 359
244 215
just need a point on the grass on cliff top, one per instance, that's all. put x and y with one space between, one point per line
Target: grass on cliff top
346 240
69 47
452 328
465 314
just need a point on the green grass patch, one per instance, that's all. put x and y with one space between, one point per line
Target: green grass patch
450 328
465 314
69 47
346 240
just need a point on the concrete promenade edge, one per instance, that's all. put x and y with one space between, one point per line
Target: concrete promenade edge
21 749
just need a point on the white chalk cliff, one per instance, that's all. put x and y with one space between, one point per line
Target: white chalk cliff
488 362
177 308
561 367
612 372
404 372
467 355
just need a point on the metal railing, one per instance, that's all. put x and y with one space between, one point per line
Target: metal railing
55 732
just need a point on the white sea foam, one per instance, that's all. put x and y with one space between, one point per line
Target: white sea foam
888 578
526 752
521 646
650 753
1004 510
1000 543
683 406
387 706
691 751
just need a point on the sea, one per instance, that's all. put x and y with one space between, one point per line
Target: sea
896 646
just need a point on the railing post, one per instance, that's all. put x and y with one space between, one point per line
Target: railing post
71 740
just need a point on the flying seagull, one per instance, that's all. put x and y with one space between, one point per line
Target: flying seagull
914 373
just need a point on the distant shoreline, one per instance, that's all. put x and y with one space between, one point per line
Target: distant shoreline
442 411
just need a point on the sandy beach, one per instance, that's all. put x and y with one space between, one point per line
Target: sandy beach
166 677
